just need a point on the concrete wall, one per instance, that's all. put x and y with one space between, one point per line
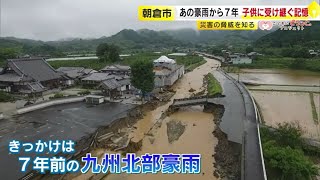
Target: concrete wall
161 81
48 104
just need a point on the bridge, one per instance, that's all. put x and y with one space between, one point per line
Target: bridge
197 100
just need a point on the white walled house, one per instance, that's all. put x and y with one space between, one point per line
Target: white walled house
167 71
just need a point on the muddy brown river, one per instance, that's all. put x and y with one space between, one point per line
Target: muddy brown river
197 136
195 139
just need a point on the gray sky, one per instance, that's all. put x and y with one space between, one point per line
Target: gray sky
56 19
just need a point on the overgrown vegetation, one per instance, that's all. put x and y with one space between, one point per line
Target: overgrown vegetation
190 62
57 96
314 109
84 92
92 64
285 153
213 86
142 76
231 69
6 53
108 53
5 97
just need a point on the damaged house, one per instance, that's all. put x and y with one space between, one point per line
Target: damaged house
116 86
29 76
167 72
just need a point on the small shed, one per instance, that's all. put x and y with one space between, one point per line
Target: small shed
93 99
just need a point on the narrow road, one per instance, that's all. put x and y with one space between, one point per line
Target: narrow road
240 123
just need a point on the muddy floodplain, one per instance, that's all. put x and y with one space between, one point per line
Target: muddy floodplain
189 130
291 107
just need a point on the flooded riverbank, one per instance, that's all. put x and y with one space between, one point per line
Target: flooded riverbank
197 136
195 121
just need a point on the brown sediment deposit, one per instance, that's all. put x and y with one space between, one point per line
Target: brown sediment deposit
174 130
191 130
227 154
193 139
291 107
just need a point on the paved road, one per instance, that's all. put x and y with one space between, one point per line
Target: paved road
234 115
69 121
239 120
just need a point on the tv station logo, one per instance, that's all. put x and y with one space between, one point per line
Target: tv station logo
292 25
265 25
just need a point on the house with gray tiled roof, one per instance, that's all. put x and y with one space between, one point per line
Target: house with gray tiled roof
116 86
116 69
29 75
74 74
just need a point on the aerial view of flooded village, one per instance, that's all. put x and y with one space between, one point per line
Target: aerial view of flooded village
86 88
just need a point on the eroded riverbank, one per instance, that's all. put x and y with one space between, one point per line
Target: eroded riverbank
196 122
197 135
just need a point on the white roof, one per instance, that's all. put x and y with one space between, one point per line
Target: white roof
164 59
177 54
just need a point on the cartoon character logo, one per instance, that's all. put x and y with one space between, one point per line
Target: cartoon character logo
265 25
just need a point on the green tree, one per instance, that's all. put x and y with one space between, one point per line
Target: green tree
298 64
5 97
108 53
249 49
289 135
142 76
287 52
174 50
216 51
103 52
289 163
7 53
114 53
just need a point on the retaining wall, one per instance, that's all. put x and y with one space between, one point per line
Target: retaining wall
42 105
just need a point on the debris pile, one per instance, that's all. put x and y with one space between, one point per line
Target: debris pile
174 130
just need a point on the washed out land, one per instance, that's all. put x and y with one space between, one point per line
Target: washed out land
281 75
